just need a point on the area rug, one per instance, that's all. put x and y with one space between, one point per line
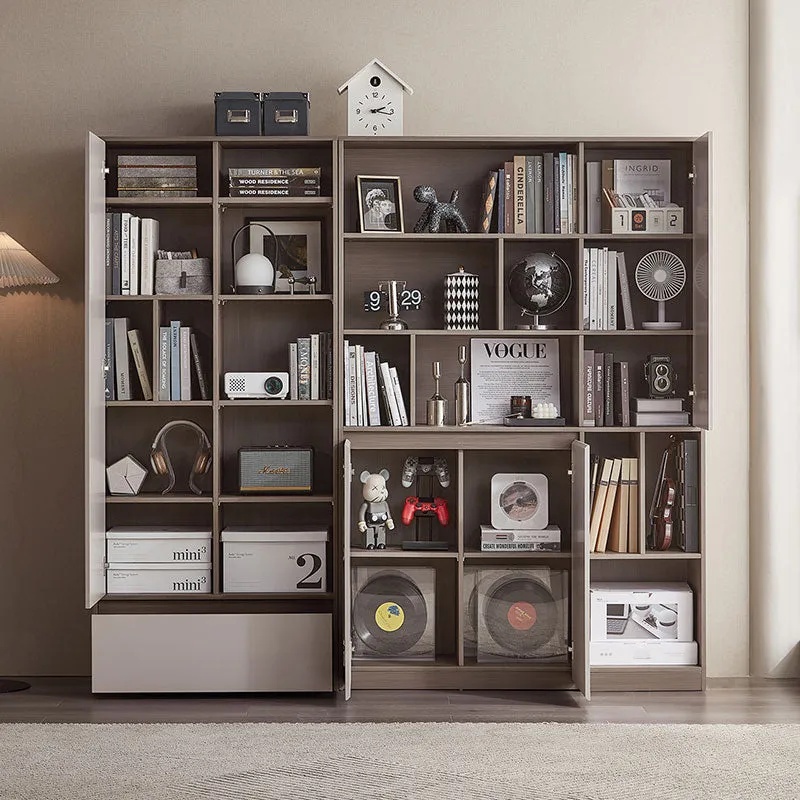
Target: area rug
399 761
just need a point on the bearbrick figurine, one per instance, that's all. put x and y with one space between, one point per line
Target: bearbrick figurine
439 216
374 516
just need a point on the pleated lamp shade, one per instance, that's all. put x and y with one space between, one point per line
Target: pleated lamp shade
19 268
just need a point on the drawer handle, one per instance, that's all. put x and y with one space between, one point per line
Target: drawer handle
286 116
239 115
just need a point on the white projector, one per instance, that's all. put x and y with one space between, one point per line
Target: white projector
257 385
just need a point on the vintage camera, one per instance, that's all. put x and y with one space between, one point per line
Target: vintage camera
659 374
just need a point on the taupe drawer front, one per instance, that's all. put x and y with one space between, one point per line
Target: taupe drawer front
211 653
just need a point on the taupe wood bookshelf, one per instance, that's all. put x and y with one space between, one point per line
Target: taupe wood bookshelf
352 263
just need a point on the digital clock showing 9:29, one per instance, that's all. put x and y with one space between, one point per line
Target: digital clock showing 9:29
407 299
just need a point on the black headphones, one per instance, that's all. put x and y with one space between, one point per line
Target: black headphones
159 457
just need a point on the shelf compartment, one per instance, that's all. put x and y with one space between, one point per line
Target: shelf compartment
650 555
424 266
256 426
277 403
393 554
374 461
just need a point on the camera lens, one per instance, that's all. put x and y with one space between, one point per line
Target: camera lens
661 370
273 385
661 384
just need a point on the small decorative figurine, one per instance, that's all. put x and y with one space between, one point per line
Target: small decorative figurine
374 516
463 416
439 214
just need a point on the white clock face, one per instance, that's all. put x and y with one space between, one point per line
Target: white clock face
376 113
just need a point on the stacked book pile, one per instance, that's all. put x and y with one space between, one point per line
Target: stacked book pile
311 367
121 343
274 181
606 391
180 368
605 281
157 176
532 194
373 395
614 499
648 411
131 251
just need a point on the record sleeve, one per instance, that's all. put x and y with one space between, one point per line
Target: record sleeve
393 613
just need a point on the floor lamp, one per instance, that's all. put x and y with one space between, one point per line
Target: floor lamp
18 268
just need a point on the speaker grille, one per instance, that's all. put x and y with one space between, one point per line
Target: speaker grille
237 384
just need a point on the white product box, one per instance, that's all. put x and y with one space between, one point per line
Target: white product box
158 578
141 544
641 612
263 560
656 652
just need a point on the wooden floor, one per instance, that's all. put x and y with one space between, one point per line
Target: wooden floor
69 700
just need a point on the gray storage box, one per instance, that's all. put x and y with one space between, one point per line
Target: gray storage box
285 113
183 276
237 114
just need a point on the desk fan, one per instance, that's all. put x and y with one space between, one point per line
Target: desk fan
661 276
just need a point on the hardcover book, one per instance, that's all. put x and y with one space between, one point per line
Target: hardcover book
548 189
137 348
304 368
121 360
266 172
588 388
538 194
108 363
487 203
398 393
186 363
202 381
164 376
643 176
175 360
519 194
593 197
293 377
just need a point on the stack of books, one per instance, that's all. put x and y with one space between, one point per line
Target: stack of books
649 411
180 367
274 181
373 395
131 251
116 361
532 194
614 500
311 367
605 281
157 176
606 391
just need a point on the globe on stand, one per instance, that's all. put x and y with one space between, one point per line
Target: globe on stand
540 284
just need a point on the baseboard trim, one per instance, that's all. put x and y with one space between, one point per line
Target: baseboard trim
749 682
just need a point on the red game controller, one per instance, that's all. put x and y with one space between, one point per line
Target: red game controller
414 506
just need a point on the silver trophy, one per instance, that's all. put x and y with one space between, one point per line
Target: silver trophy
393 323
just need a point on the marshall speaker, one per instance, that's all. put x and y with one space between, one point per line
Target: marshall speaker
276 470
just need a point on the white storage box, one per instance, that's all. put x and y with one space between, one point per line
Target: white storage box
158 578
285 560
141 544
642 612
656 652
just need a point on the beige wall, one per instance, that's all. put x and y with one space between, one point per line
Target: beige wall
568 67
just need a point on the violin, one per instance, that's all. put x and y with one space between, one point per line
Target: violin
662 521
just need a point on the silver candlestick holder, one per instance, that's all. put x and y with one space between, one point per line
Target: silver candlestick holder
393 322
463 410
436 407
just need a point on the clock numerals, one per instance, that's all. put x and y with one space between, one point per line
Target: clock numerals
376 113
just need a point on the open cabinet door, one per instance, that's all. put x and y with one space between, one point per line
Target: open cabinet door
95 400
347 478
580 568
701 282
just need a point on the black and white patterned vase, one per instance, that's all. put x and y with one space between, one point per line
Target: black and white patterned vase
461 296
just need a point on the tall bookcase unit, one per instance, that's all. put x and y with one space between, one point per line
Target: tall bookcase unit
475 453
216 641
224 642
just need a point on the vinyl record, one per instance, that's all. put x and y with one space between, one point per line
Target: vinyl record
520 614
389 614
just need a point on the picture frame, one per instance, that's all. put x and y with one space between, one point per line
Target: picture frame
380 204
299 254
